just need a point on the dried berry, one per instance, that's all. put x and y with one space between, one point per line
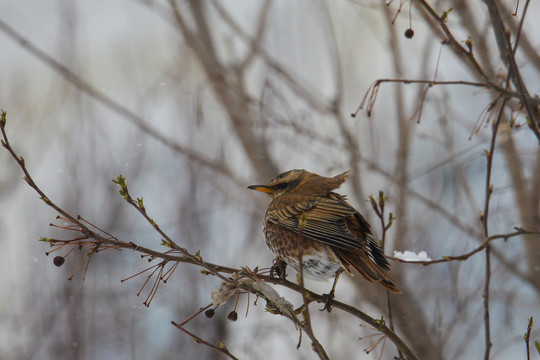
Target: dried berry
59 260
233 316
210 313
409 33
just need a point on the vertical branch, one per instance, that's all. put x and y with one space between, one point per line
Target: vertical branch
527 337
317 347
379 210
507 53
227 86
526 196
406 306
487 326
404 131
485 228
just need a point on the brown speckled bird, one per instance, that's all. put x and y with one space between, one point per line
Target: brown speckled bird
336 237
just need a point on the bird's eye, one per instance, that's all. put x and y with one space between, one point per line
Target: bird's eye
281 186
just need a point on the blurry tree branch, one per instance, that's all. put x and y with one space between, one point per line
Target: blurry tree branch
126 113
255 43
507 54
228 86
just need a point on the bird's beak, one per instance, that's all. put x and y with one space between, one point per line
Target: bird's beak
261 188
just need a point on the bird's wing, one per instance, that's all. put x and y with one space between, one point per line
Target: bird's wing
326 218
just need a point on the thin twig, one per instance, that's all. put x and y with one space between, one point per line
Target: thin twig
527 337
372 92
485 218
221 347
489 239
459 49
418 113
378 207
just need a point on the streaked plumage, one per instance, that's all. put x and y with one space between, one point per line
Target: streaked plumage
336 236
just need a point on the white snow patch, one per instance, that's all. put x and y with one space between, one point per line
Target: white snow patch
412 256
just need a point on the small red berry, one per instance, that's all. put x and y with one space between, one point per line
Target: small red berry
210 313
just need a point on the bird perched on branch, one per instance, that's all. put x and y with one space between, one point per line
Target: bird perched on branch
334 236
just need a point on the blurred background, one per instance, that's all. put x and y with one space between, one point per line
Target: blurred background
195 100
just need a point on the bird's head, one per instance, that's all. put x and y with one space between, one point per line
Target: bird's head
283 183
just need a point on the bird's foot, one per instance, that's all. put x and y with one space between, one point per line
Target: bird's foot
329 297
278 269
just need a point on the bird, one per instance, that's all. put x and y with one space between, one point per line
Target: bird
335 237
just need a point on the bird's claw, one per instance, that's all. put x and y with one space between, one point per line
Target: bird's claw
327 304
278 269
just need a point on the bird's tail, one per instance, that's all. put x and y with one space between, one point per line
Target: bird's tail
362 263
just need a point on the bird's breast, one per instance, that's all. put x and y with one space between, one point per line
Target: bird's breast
319 261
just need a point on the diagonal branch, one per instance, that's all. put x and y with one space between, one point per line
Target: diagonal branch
507 54
116 107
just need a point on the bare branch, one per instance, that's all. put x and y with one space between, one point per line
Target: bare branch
507 54
489 239
111 104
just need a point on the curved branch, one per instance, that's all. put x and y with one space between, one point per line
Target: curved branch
519 231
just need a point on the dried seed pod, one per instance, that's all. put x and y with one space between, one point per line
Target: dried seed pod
59 260
233 316
409 33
